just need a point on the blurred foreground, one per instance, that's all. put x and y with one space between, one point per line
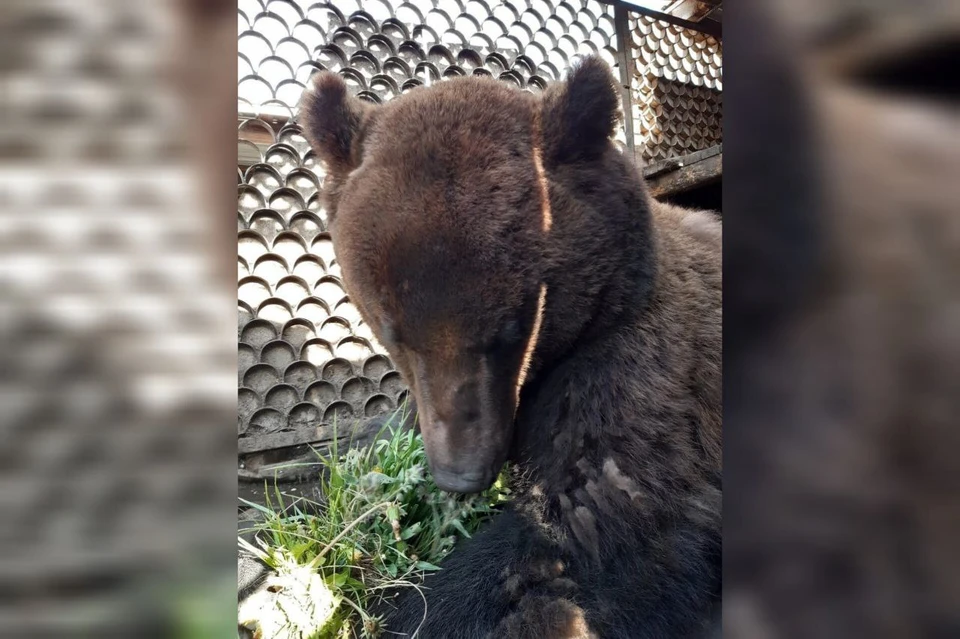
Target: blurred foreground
117 479
842 321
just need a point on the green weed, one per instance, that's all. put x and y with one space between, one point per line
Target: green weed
383 525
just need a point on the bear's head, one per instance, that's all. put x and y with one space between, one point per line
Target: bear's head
440 213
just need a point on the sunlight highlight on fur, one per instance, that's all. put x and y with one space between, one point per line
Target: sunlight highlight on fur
532 342
547 217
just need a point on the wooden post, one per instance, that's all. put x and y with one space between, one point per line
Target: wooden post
625 62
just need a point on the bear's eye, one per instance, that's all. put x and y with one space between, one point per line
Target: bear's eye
507 337
388 334
510 331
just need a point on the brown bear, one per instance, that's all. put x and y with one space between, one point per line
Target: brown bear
543 309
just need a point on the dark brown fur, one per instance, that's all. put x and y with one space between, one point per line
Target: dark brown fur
438 221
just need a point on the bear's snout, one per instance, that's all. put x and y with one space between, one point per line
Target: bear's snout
466 418
464 456
461 405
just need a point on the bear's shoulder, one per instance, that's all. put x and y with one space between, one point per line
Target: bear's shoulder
703 227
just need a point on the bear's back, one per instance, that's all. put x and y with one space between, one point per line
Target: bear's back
689 281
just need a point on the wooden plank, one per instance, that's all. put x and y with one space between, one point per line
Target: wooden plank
320 436
671 164
693 10
709 27
686 177
261 450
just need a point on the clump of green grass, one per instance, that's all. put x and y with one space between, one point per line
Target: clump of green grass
384 525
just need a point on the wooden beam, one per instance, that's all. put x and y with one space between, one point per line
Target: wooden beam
709 27
693 10
684 177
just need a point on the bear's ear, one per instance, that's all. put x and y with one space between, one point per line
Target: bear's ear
334 121
580 115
